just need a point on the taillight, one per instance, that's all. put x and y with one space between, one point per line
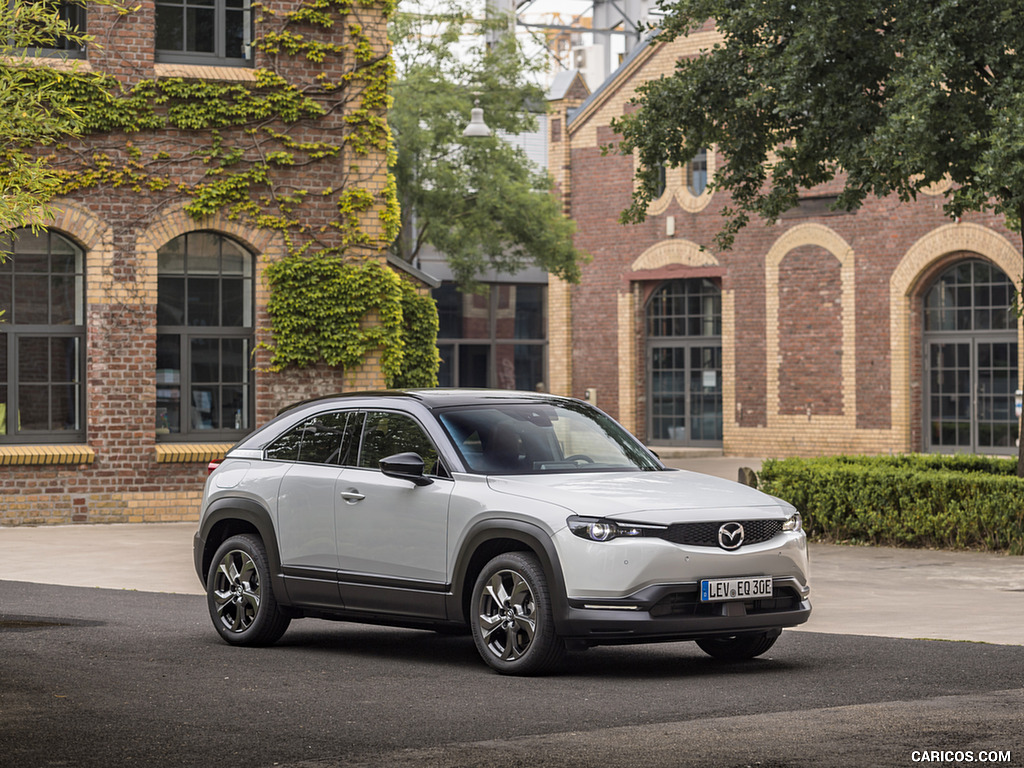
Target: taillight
213 465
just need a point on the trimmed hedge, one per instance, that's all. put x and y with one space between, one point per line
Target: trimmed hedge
949 502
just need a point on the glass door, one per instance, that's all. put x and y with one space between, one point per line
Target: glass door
686 394
684 363
970 403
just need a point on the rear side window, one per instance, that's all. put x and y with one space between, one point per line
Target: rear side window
329 438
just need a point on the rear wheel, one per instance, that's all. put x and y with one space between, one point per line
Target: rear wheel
511 616
239 594
738 647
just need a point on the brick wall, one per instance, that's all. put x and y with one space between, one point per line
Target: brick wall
123 472
810 333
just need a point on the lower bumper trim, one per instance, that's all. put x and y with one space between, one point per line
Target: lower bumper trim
668 612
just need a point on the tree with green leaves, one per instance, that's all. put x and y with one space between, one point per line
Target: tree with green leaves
885 97
34 111
479 201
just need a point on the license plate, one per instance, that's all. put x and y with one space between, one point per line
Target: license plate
751 587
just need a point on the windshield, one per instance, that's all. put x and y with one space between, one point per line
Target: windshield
523 438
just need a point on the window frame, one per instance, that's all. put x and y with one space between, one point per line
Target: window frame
13 332
355 417
218 57
188 333
666 311
943 400
696 169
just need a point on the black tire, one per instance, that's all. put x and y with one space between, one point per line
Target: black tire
240 596
738 647
511 619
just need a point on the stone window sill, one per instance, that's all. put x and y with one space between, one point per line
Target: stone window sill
205 72
183 453
46 454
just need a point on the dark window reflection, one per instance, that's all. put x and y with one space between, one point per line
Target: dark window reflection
214 29
494 339
386 434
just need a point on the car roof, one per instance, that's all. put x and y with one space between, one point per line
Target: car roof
435 398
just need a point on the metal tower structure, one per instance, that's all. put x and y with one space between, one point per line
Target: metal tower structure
614 28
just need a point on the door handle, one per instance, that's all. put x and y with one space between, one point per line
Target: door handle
352 496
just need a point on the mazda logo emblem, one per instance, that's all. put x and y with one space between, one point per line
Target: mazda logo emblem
730 536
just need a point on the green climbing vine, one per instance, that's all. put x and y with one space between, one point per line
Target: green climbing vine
308 160
326 309
420 327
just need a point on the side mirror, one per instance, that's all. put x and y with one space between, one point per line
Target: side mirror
405 466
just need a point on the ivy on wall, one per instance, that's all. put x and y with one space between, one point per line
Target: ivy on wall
245 149
420 327
326 309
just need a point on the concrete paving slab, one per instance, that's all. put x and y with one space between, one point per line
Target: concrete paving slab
148 557
914 593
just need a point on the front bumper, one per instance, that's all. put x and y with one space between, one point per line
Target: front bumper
666 612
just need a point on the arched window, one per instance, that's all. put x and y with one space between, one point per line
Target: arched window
204 338
42 338
684 361
970 339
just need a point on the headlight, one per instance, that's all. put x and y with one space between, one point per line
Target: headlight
794 523
594 529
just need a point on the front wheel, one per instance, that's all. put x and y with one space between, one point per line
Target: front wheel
738 647
240 596
511 616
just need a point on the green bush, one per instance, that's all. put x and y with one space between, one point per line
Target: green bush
951 502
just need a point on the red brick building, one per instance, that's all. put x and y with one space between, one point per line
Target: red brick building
884 330
131 343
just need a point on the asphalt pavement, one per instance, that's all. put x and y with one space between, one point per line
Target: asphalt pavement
876 591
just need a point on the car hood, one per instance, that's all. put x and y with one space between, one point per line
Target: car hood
645 497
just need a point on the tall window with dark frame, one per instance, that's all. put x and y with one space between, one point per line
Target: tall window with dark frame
970 360
204 32
662 184
684 362
204 338
42 338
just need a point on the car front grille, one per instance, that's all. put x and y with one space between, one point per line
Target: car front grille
706 534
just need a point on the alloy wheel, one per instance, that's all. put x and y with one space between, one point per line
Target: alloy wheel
507 612
236 591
